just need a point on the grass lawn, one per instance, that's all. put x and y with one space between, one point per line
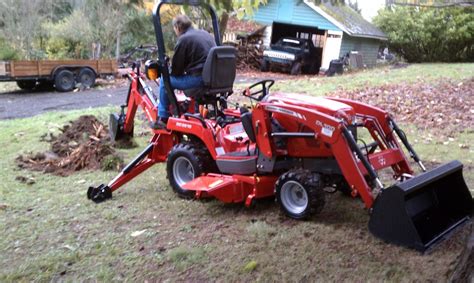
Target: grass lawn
51 232
376 77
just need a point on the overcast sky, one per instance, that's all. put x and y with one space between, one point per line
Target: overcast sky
370 7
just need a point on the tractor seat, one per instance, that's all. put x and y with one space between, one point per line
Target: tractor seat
218 75
246 118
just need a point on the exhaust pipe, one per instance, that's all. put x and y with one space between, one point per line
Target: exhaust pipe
421 211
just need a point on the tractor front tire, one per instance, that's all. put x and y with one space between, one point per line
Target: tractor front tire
186 161
300 193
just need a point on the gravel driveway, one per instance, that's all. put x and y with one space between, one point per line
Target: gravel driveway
19 104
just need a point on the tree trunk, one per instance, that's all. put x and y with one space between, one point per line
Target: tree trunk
223 24
117 46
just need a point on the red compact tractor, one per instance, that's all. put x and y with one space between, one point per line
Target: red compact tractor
290 146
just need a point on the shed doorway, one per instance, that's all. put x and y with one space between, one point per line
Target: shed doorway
317 36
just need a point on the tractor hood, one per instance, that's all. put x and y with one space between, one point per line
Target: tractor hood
325 105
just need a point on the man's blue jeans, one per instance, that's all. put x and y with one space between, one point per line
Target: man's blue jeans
177 82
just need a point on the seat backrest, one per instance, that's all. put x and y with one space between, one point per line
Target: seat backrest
246 119
219 69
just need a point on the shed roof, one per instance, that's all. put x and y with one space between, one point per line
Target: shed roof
347 20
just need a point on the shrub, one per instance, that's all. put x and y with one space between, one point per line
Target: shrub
429 34
7 52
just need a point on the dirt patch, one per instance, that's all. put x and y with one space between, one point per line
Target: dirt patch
83 144
445 108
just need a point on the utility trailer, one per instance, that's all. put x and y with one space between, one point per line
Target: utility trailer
62 74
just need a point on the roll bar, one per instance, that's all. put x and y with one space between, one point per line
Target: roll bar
163 64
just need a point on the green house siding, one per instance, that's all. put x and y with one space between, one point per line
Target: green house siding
367 47
291 12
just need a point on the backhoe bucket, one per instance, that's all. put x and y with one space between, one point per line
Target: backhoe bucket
116 132
421 211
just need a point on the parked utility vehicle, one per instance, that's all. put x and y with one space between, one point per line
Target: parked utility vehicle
295 55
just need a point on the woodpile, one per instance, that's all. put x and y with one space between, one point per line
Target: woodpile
249 57
249 50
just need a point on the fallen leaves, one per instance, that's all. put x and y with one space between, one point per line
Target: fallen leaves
443 108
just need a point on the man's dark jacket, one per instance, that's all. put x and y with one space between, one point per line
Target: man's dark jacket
191 52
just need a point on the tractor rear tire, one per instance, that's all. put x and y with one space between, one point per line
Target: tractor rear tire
26 84
300 193
64 81
186 161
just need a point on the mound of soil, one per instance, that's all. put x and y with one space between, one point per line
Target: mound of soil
83 144
444 108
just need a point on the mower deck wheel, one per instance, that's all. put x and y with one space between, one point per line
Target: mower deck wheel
300 193
186 161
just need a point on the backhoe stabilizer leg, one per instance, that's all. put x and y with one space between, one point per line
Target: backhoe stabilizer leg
99 194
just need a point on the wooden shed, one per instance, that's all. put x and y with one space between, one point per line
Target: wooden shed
337 29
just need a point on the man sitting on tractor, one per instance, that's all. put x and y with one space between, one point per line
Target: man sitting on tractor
190 53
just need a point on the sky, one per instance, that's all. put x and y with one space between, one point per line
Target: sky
370 7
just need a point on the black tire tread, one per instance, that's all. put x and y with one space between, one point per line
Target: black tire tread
89 72
313 185
57 80
201 156
296 69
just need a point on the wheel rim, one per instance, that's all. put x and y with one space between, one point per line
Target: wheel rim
183 171
86 80
294 197
66 81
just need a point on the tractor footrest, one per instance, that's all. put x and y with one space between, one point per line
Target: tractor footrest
223 187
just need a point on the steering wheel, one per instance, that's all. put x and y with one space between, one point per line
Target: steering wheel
263 91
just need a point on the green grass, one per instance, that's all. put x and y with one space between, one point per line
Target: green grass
51 232
378 76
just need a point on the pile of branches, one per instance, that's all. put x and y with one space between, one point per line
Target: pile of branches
84 144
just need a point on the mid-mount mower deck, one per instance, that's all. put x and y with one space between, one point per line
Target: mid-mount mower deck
289 146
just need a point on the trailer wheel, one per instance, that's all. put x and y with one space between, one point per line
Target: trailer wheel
186 161
64 81
26 84
300 193
86 77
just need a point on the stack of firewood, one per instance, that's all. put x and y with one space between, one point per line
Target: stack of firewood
249 57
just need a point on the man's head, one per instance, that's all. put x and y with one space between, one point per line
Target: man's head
181 23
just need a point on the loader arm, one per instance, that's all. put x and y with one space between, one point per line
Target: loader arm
328 130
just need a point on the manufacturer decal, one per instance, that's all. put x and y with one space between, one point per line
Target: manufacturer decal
183 125
382 161
326 129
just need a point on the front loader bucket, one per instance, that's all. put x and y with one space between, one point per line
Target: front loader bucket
422 210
